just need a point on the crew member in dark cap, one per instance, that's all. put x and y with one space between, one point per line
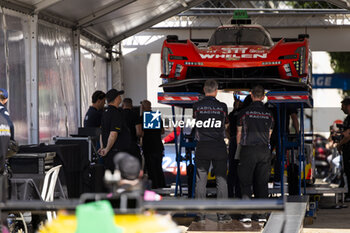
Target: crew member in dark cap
115 134
5 135
94 114
344 144
4 112
254 129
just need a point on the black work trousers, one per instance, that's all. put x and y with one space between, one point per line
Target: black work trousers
346 159
153 164
108 162
217 156
136 152
234 189
254 171
277 161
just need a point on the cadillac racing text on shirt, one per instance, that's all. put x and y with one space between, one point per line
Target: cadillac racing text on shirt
211 116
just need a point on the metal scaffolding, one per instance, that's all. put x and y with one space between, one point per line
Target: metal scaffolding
270 14
108 25
271 20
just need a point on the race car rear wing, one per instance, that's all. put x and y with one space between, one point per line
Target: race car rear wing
175 39
301 37
241 21
199 40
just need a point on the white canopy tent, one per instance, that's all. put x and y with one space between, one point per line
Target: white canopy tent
55 53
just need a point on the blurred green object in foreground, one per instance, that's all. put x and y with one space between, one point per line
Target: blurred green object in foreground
96 217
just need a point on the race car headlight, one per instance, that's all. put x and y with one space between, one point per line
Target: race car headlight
296 65
166 65
300 64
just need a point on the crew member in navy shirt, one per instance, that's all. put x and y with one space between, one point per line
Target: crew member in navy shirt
94 114
4 112
115 135
5 135
254 130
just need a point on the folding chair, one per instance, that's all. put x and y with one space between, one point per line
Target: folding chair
47 193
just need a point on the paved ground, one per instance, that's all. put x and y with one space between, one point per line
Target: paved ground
211 225
330 220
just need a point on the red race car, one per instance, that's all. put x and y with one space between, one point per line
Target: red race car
237 56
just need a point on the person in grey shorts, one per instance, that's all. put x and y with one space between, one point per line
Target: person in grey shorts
211 117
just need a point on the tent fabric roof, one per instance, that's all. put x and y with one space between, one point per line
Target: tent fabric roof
109 20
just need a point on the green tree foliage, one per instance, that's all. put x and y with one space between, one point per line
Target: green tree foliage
340 62
311 5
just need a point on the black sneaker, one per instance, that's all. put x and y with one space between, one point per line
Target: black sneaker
277 184
224 218
262 219
246 219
